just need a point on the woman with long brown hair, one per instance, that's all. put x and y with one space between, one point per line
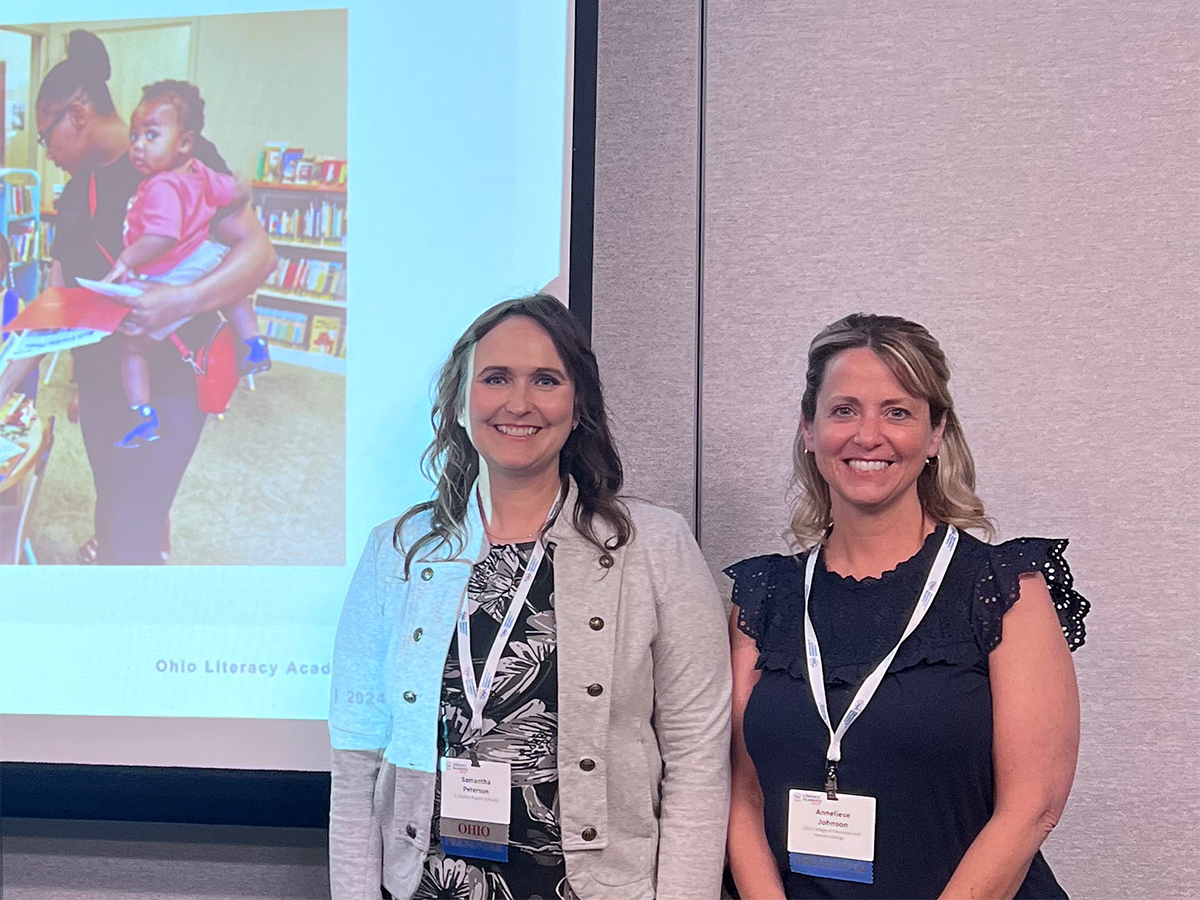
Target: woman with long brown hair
531 683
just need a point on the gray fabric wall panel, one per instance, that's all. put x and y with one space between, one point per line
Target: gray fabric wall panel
644 320
1023 179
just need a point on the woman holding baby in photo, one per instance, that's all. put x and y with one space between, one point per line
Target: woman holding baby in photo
140 205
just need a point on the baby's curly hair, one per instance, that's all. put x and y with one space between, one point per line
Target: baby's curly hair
184 97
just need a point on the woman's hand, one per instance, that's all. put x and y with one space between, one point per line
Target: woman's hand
1035 716
161 309
250 259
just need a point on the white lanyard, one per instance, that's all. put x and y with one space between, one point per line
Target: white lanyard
478 692
816 676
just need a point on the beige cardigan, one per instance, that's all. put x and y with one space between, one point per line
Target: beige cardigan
648 819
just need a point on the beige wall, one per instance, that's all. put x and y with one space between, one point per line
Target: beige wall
15 53
139 54
273 77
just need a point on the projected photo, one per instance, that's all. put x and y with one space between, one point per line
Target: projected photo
457 121
173 202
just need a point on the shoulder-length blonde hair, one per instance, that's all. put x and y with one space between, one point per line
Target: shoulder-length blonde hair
946 487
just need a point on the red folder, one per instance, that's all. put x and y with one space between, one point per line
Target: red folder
70 308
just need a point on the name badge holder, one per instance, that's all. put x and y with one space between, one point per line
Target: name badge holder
476 795
832 835
475 809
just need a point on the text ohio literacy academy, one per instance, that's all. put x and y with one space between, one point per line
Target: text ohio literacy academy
228 667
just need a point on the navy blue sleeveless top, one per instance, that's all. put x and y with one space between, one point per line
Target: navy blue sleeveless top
923 746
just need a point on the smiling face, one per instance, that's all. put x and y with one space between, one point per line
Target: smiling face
870 437
158 140
520 403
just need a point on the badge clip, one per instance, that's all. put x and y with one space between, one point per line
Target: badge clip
830 779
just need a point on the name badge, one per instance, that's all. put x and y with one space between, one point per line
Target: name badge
832 838
475 809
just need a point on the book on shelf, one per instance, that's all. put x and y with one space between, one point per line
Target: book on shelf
324 277
291 159
24 240
317 221
301 202
282 325
333 171
20 200
281 163
46 231
323 337
270 161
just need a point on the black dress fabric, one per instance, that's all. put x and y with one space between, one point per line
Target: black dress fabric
923 746
520 728
134 488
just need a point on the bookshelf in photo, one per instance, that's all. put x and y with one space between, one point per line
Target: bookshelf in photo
20 223
302 306
46 230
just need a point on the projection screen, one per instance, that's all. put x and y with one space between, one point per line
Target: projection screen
411 163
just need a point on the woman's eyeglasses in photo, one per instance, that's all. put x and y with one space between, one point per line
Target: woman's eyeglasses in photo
44 134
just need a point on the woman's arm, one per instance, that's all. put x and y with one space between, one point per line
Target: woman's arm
1035 713
691 719
249 261
145 249
358 732
750 858
355 841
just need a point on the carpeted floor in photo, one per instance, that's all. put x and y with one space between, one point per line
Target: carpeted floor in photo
265 487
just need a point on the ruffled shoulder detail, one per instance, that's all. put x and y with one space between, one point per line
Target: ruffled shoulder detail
761 589
999 587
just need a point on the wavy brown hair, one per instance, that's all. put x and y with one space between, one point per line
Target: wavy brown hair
589 455
946 487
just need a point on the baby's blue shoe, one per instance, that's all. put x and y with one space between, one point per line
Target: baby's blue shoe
145 431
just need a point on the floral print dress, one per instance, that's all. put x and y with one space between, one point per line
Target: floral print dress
520 727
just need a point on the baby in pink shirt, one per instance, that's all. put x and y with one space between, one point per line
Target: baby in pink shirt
166 232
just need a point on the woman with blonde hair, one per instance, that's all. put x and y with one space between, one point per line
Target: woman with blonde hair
905 713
